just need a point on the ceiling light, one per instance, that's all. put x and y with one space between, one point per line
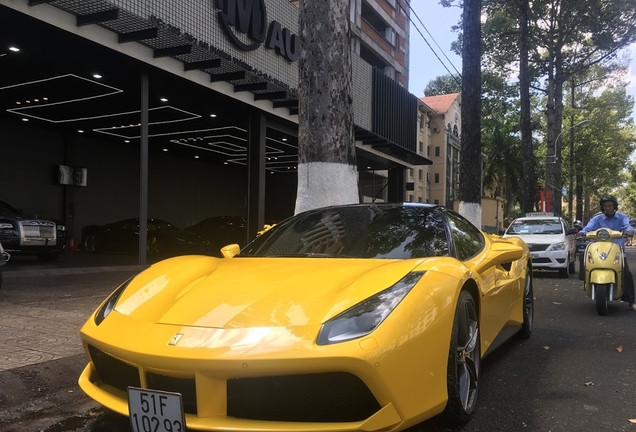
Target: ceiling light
28 101
196 157
97 76
45 98
284 139
165 149
80 131
25 119
36 100
225 163
213 115
18 103
163 100
14 49
126 141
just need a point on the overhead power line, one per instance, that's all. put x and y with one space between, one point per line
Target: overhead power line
459 75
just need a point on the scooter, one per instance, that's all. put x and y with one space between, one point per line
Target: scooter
4 257
603 261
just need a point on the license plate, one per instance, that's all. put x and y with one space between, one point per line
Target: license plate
155 411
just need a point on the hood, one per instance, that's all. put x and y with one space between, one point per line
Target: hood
539 238
21 216
257 292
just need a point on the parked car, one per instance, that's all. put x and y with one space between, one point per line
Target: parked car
4 257
22 234
163 238
358 317
221 231
550 240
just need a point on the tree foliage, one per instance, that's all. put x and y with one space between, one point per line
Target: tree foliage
441 85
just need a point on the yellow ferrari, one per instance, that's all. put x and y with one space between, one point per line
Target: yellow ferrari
366 317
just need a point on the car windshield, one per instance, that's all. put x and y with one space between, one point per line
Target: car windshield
7 208
156 224
362 231
535 226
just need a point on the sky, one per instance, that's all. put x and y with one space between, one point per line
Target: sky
425 66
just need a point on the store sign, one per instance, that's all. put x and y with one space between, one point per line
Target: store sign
249 17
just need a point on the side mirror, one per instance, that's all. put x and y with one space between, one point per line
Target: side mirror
572 231
230 251
503 252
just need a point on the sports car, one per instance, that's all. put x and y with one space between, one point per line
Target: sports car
359 317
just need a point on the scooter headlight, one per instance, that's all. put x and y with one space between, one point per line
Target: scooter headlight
590 258
617 258
603 235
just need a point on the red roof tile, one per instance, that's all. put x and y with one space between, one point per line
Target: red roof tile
440 103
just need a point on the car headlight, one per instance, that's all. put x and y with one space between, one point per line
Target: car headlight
367 315
557 247
61 228
109 305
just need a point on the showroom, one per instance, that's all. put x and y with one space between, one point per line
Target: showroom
172 110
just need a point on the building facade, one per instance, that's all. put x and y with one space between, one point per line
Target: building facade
177 113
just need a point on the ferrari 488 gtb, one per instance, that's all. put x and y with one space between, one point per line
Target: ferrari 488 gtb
351 318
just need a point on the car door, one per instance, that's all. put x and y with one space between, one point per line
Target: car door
496 284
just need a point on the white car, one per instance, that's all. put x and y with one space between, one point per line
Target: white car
550 240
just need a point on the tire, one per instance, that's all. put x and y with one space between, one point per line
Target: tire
90 244
582 266
152 246
572 266
0 277
528 307
464 361
600 298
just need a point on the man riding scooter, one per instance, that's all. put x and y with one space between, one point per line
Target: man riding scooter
614 220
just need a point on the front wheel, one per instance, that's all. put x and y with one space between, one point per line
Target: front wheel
572 266
600 298
528 307
464 360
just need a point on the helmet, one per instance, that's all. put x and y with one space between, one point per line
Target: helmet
610 198
577 223
632 222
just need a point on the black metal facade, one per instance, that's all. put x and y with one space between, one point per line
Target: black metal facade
394 112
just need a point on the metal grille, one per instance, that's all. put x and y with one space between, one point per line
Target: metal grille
327 397
185 386
537 247
37 231
114 372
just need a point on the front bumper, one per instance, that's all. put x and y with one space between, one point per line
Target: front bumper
549 260
353 386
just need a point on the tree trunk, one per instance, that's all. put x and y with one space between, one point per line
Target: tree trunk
327 173
528 198
470 181
557 197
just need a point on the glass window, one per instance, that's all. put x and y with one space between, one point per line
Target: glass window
436 177
437 151
535 227
467 239
359 231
